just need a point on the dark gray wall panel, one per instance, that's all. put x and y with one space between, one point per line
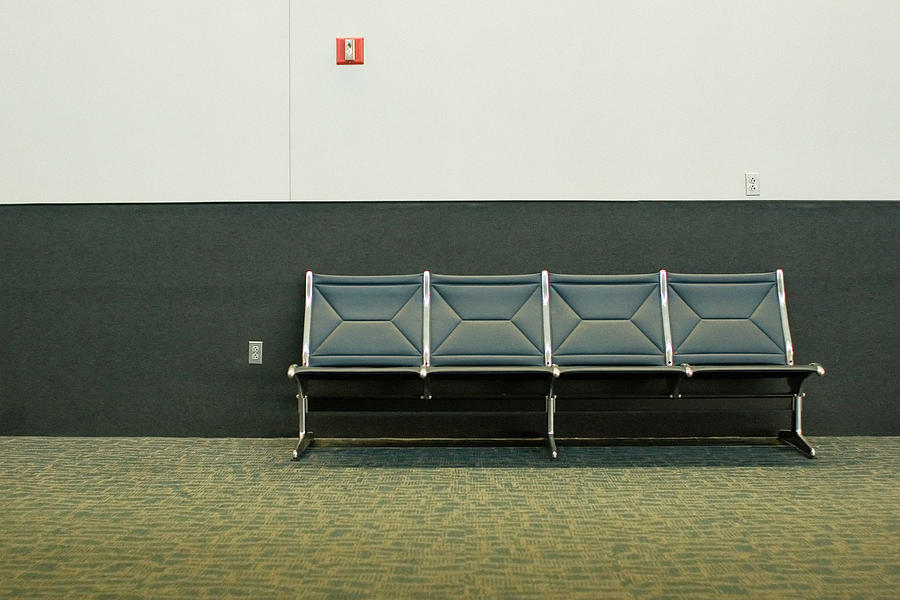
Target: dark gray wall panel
134 319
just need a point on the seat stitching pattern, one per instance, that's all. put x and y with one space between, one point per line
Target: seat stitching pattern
324 299
629 319
436 349
748 318
437 294
333 329
513 323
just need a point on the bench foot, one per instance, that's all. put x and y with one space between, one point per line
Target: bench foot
553 451
305 440
796 439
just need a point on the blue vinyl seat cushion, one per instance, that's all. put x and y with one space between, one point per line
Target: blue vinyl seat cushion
366 321
726 319
486 320
606 320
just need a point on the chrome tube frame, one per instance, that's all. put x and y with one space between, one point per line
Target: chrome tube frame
794 436
785 327
545 315
426 383
426 335
797 414
551 412
426 319
307 317
664 308
306 437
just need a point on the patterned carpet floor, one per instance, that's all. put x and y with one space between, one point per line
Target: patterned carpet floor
220 518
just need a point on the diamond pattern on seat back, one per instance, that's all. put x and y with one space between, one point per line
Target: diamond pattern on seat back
726 319
606 320
366 321
490 320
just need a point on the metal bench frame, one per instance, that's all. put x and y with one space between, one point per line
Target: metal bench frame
795 375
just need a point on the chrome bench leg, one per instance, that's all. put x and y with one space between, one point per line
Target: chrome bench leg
551 410
306 437
553 452
305 440
794 437
426 388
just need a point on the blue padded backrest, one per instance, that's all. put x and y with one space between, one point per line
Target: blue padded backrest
486 320
726 319
606 320
366 321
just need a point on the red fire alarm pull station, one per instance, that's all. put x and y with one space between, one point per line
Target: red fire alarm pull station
350 51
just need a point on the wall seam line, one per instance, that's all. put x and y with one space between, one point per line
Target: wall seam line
290 112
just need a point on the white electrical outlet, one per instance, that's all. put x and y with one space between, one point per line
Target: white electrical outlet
254 355
751 184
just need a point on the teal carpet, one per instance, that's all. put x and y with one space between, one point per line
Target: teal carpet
235 518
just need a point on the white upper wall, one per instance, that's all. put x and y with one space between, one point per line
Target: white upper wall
625 99
188 100
143 101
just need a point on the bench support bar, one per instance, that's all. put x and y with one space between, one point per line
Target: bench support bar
551 411
794 437
306 437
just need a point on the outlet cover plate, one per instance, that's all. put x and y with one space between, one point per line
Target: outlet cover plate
254 353
751 184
